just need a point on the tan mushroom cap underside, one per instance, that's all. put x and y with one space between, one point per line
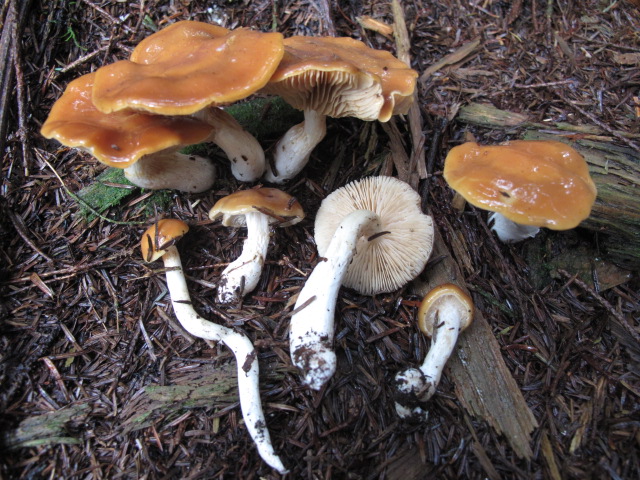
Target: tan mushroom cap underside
436 298
342 77
160 236
118 139
399 251
188 66
282 209
531 182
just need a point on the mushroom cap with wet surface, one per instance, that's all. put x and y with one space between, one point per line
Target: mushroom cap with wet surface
533 183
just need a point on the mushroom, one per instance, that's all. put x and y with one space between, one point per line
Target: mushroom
159 242
373 237
444 312
144 145
526 183
257 209
191 68
335 77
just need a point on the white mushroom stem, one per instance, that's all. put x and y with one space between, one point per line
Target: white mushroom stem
170 169
312 326
242 148
509 231
420 384
240 345
292 151
243 274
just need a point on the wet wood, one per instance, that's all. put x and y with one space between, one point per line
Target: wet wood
615 169
53 428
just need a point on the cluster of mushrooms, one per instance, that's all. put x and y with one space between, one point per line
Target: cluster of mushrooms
371 235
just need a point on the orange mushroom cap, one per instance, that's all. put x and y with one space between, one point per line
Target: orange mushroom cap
282 209
188 66
342 77
118 139
531 182
449 295
160 236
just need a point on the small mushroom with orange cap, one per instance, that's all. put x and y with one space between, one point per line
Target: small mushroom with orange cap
191 68
527 184
444 312
335 77
372 237
158 241
256 209
146 146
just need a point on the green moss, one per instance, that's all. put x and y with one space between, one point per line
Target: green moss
265 118
110 189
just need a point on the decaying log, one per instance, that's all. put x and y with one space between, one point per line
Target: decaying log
62 426
615 170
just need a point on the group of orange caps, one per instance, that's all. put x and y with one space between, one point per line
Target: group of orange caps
371 234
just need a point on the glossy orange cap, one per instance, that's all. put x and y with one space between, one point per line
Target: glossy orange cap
118 139
341 76
187 66
160 236
531 182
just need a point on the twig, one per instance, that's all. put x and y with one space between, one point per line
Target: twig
110 17
22 231
76 269
621 319
83 59
602 125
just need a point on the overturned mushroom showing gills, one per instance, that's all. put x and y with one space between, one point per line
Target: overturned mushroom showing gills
191 68
258 209
335 77
373 238
159 242
527 184
144 145
444 312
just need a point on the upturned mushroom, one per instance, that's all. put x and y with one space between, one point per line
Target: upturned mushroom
444 312
335 77
159 242
146 146
527 184
256 209
191 68
372 237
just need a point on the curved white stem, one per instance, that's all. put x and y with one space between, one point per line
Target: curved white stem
243 274
243 149
419 385
172 170
312 326
238 343
292 151
509 231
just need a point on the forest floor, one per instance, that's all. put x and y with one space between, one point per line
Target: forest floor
88 341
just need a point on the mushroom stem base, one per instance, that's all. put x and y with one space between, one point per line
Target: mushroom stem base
312 327
509 231
172 170
243 274
243 149
293 150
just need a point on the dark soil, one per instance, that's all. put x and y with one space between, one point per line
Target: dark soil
86 325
